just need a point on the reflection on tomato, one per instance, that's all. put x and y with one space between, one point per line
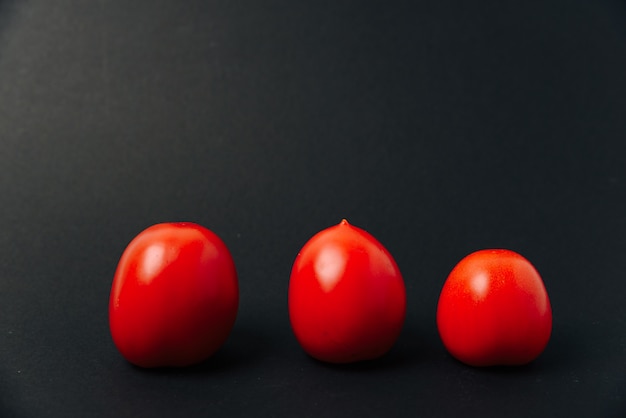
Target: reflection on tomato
347 298
494 310
174 296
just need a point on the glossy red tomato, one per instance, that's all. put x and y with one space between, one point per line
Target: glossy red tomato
347 299
494 310
174 297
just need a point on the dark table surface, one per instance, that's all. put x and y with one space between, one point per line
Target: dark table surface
441 127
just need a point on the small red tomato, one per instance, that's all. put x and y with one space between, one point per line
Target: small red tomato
494 310
174 297
347 300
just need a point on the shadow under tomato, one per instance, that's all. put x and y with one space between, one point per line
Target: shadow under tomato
236 353
414 347
520 370
559 354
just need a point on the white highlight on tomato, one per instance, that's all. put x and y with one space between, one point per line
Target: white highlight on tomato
152 262
329 267
480 285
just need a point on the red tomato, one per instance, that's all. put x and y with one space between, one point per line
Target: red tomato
174 297
494 310
347 300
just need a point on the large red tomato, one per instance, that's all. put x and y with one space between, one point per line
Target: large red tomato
174 297
347 299
494 310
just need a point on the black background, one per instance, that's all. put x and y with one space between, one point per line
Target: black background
441 127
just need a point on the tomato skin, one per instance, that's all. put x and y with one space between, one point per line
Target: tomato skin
347 300
174 297
494 310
